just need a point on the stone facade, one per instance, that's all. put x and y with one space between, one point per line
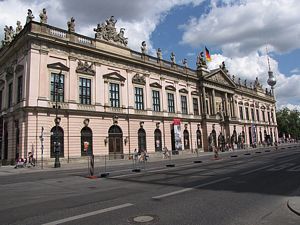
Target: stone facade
125 95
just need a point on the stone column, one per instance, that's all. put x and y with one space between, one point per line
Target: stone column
177 99
233 107
226 105
213 102
163 95
148 93
203 101
190 100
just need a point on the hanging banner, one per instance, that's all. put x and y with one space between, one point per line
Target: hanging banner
177 134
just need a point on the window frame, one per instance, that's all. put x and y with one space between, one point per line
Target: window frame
85 98
139 96
117 93
184 104
170 106
156 101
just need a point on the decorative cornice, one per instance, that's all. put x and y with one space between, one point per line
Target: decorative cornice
170 88
155 85
183 90
58 66
114 76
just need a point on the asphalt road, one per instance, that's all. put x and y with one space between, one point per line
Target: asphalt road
247 189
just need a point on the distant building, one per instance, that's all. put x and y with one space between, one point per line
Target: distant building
116 99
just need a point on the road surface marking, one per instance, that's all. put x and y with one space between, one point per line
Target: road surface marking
265 167
189 189
252 171
88 214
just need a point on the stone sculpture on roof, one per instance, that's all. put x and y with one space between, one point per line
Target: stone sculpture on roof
8 35
144 47
108 32
43 16
71 25
201 61
184 62
159 54
30 16
172 57
19 27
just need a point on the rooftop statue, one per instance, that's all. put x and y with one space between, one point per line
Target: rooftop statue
19 27
172 57
43 16
144 47
159 54
8 35
223 67
245 82
30 16
107 31
233 78
71 25
239 81
184 62
201 61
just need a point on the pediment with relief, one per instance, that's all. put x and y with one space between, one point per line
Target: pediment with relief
139 79
220 77
114 76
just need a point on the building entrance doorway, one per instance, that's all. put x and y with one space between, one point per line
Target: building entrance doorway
115 143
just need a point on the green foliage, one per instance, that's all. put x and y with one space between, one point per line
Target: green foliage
288 122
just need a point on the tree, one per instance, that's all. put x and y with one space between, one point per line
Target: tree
288 122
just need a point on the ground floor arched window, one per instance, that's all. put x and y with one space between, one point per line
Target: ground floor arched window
186 138
199 140
115 142
157 140
86 141
142 140
57 136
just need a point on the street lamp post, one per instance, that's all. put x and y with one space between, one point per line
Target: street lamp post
58 89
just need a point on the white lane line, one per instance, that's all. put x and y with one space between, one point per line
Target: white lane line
189 189
265 167
88 214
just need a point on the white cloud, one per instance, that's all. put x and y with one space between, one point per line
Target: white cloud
295 70
246 26
255 65
139 18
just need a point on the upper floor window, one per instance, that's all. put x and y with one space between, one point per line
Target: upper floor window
252 114
269 120
20 89
241 113
139 98
1 100
184 109
247 113
114 92
57 87
156 101
171 103
10 88
264 116
196 106
85 91
272 116
257 114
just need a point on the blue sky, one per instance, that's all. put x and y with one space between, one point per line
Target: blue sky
235 31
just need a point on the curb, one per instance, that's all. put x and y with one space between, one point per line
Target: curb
294 206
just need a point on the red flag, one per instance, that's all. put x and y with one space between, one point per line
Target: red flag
207 55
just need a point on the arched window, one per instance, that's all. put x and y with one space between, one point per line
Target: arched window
142 140
115 145
57 135
199 140
86 141
157 140
186 138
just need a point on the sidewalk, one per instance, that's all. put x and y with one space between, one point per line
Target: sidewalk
99 161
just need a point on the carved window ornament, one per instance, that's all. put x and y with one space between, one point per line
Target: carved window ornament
195 93
141 124
85 68
183 90
9 72
155 85
86 122
114 76
58 66
157 125
115 120
139 79
170 88
19 68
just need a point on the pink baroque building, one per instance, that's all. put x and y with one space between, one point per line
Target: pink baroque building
97 96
